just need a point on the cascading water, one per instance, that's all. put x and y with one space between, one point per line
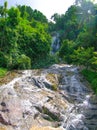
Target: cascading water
55 43
30 100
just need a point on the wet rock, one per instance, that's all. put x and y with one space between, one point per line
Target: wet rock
3 104
11 112
6 128
31 100
45 128
10 108
54 114
93 100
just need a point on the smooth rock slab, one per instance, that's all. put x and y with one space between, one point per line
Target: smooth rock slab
45 128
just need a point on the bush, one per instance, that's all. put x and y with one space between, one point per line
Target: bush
45 62
91 76
66 50
94 84
3 72
24 62
3 60
14 61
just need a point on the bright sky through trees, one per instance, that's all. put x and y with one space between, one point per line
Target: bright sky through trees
47 7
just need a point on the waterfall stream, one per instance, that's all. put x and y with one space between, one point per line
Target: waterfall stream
32 100
55 43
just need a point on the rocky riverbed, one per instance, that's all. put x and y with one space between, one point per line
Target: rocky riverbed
57 98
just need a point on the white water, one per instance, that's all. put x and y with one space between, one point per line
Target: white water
32 90
55 44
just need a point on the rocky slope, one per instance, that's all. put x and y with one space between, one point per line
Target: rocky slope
56 98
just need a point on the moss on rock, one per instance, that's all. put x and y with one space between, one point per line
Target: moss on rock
54 80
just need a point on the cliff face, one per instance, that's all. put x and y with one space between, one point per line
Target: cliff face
50 99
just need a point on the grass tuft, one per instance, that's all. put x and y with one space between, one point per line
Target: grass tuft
3 72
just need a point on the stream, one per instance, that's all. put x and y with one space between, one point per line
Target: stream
55 43
58 98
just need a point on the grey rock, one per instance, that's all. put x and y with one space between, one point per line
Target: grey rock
29 100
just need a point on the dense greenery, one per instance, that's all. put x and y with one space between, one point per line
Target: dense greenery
3 72
25 37
78 33
91 76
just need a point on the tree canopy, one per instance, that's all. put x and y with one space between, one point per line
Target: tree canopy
24 37
26 34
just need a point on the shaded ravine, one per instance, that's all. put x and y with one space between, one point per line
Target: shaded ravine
54 98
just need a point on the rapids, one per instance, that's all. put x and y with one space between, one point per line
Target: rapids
57 98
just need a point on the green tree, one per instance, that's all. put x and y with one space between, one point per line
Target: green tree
34 42
23 10
66 50
32 14
94 61
85 39
83 56
13 16
3 9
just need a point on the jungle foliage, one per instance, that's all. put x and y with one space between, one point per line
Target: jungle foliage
25 36
78 34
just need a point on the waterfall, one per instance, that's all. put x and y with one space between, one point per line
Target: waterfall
56 97
55 43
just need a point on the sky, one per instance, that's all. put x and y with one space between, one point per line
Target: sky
47 7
